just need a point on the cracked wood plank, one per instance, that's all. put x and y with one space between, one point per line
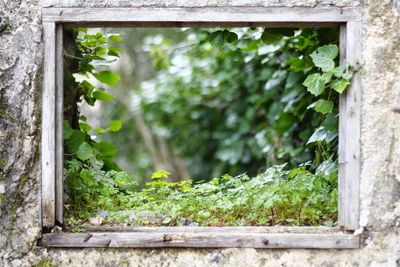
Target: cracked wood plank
200 240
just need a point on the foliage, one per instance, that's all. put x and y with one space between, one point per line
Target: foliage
91 188
251 98
94 51
244 97
92 176
277 196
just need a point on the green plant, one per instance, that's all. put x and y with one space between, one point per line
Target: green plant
271 106
277 196
261 98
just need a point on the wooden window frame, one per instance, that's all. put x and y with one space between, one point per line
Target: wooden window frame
55 19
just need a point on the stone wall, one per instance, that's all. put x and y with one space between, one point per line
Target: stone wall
21 66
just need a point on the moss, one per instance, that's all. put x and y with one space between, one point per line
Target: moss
18 198
2 112
45 262
3 161
2 199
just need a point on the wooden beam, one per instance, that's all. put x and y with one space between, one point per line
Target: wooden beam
204 239
48 122
216 16
59 151
352 131
342 134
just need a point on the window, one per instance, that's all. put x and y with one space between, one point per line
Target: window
259 237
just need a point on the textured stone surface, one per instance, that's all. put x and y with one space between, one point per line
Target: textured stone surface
21 61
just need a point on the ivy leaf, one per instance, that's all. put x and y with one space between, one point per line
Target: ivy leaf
75 140
323 57
107 77
106 150
315 84
323 106
340 85
115 38
218 38
321 135
67 130
85 151
102 95
331 122
84 126
348 74
284 122
338 71
115 126
232 37
327 77
270 38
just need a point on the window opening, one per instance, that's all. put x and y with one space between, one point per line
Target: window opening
202 126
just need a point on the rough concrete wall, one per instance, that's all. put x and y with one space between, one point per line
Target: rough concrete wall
21 60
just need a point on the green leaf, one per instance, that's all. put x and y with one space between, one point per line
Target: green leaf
75 140
218 38
321 135
102 95
113 51
115 126
161 174
327 76
331 122
84 126
315 84
348 73
270 38
323 57
100 130
323 106
106 150
284 122
340 85
107 77
85 151
67 130
232 37
115 38
338 71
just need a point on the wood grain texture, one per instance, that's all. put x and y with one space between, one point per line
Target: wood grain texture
48 125
342 134
353 129
59 129
198 16
203 239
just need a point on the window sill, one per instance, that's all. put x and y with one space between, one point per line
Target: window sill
205 237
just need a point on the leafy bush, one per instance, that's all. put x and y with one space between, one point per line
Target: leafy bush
237 101
275 197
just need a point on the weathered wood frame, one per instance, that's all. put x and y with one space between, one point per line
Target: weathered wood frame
54 19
